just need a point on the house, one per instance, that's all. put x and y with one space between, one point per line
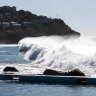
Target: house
15 25
45 20
5 25
27 24
7 15
35 21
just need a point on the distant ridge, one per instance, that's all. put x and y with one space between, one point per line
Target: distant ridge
15 25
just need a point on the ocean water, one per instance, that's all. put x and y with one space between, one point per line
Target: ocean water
35 61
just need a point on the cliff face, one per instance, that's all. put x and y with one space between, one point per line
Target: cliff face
38 26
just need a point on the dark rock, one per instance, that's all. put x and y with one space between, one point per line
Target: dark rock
75 72
11 69
50 72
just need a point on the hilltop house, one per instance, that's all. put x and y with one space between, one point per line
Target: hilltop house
6 11
15 25
45 20
7 15
5 25
27 24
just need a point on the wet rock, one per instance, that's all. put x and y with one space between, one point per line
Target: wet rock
11 69
75 72
52 72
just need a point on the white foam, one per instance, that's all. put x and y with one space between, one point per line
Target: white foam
8 45
57 53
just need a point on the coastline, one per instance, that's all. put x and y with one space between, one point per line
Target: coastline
16 25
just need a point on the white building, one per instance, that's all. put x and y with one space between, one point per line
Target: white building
16 25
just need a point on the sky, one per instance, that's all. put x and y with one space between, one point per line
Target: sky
80 15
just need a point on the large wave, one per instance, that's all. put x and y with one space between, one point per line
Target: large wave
57 53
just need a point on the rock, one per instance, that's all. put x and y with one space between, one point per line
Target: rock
11 69
75 72
52 72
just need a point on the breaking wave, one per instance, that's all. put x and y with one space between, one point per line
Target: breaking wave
57 53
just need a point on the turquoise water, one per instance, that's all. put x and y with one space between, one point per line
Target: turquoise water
10 56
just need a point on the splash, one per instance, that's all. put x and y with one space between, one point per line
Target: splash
57 53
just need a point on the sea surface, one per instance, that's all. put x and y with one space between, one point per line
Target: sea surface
9 56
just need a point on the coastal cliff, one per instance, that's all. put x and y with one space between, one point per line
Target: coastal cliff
15 25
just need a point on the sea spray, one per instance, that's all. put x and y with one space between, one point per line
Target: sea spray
57 53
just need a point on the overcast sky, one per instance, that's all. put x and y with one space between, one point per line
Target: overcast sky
80 15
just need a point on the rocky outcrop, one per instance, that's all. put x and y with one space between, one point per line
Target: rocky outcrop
10 69
75 72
